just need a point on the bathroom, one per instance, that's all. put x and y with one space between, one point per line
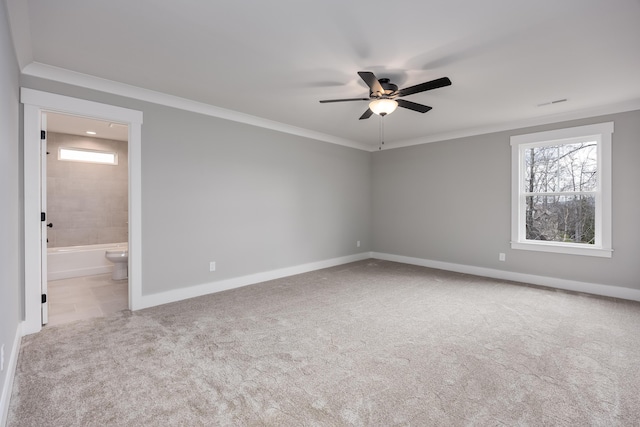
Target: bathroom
87 217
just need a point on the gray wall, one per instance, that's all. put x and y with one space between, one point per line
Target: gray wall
11 262
86 202
255 200
251 199
450 201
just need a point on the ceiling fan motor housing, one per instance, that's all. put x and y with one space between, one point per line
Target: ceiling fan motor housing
389 89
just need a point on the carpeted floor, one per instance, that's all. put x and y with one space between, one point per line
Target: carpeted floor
368 343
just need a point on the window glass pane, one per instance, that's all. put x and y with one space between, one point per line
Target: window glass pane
560 168
87 156
561 218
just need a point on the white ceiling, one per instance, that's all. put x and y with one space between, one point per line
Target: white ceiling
276 59
74 125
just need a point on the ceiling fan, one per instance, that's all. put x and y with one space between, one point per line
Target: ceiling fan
383 95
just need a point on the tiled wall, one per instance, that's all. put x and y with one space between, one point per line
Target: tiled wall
86 202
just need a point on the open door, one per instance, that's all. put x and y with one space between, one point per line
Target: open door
43 216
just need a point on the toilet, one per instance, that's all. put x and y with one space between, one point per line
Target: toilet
120 259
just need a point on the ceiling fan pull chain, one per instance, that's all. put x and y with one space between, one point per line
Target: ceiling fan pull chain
381 132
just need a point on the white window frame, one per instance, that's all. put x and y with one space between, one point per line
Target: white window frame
601 132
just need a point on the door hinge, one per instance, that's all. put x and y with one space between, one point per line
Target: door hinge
43 216
43 134
44 298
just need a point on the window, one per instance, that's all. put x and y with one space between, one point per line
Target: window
88 156
561 191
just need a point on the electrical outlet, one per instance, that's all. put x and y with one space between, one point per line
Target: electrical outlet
212 266
2 358
358 243
502 257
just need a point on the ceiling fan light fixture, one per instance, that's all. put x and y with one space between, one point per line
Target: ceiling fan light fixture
382 107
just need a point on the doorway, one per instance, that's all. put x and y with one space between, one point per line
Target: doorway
35 104
86 185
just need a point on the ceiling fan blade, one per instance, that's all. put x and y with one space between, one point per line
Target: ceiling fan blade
366 114
372 81
344 100
433 84
413 106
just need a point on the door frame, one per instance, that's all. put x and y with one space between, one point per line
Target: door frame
35 103
44 233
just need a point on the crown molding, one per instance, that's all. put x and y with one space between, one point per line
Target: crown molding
62 75
620 107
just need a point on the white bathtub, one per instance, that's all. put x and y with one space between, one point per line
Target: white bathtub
75 261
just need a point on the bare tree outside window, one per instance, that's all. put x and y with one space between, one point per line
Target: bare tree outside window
560 187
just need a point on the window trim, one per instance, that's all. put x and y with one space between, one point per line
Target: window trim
600 131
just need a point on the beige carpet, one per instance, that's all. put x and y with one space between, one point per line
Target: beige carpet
368 343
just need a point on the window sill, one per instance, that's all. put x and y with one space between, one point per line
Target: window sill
563 248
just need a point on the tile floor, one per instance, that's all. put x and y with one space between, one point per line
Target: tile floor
85 297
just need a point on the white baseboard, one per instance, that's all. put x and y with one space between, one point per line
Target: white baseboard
251 279
551 282
237 282
10 367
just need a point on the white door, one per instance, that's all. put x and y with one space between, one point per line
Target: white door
44 219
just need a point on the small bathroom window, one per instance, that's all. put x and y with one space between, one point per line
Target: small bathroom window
88 156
